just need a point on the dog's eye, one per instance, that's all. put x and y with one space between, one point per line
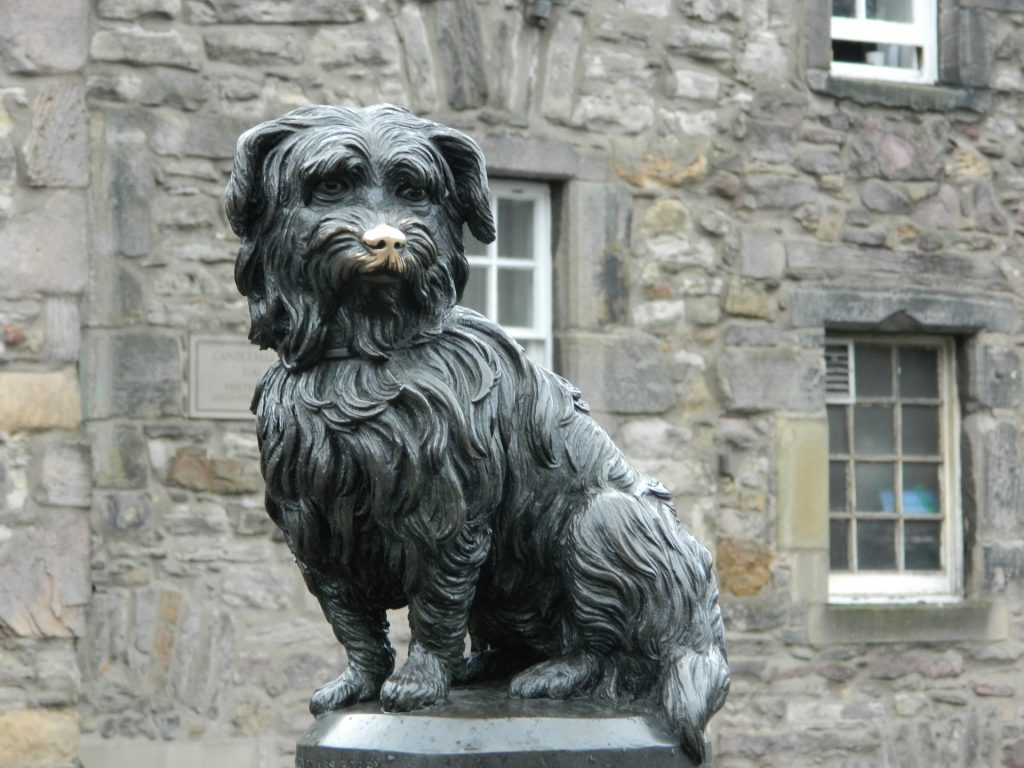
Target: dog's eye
412 193
331 187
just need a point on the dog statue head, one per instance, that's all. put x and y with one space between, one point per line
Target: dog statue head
351 222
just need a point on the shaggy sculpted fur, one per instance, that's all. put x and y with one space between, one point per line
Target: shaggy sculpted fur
414 456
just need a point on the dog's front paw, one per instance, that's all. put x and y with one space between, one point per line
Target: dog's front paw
351 686
557 678
421 682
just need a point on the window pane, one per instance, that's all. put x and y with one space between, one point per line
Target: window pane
876 487
515 229
873 370
872 429
837 486
921 546
919 372
515 297
921 489
844 8
839 545
475 295
837 438
891 10
876 545
920 430
473 246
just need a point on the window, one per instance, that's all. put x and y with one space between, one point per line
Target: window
510 279
885 40
894 520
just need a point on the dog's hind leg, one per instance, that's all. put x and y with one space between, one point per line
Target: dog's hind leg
362 629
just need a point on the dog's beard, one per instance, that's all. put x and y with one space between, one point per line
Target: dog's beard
373 303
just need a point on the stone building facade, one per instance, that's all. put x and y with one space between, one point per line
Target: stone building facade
722 208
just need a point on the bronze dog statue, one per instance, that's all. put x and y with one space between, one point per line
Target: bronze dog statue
414 456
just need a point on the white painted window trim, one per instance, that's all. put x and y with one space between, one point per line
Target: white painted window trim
945 587
536 338
921 33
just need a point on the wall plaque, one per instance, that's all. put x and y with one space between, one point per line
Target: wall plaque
223 371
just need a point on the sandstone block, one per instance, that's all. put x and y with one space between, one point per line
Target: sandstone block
995 378
171 47
39 401
120 458
560 67
57 148
462 54
131 188
44 36
43 248
419 57
194 469
762 254
131 374
38 737
744 567
65 478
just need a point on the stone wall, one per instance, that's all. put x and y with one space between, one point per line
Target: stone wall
719 204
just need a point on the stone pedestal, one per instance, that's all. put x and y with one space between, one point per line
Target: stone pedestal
483 728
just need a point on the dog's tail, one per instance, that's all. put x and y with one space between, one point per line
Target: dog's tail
696 679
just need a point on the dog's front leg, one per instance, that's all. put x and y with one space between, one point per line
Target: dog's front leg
362 629
438 614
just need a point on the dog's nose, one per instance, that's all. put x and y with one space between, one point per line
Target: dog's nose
384 238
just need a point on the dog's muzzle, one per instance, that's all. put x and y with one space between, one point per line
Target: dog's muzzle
385 244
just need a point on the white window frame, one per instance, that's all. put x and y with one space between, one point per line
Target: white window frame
945 586
921 33
536 338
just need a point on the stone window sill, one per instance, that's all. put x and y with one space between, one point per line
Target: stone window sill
903 623
919 98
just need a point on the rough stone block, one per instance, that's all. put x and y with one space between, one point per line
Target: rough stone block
194 469
995 378
253 47
44 36
44 577
595 290
462 53
621 373
43 248
38 737
883 197
759 379
123 512
57 148
136 45
700 42
772 190
419 57
129 10
33 402
187 91
899 150
209 135
65 478
120 457
280 11
806 258
995 461
762 254
375 46
131 188
744 567
929 311
560 67
129 374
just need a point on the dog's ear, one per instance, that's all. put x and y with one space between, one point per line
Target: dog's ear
470 171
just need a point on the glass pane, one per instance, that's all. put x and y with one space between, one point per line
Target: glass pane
919 375
844 8
921 544
839 545
920 430
921 489
475 295
873 370
837 486
872 429
876 487
891 10
876 545
515 297
837 438
515 229
473 246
